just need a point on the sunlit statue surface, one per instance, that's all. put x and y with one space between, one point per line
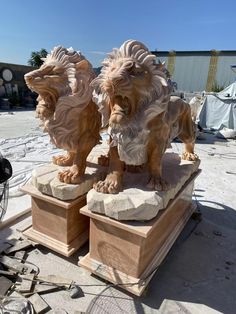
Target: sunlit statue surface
66 108
134 99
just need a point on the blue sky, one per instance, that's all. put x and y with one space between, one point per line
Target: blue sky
95 27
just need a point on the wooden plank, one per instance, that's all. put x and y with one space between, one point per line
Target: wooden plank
54 279
26 283
140 228
110 274
8 273
40 306
11 241
12 220
12 264
25 225
43 288
4 246
33 191
5 284
20 256
19 245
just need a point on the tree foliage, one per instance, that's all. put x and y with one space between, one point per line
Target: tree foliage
35 58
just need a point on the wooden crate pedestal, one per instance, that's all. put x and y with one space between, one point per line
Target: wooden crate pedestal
57 224
128 253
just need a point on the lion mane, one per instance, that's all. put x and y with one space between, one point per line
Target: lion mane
132 74
65 101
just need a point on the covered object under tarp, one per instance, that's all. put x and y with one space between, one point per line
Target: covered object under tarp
219 110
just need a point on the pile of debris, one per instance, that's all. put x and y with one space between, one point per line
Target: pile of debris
21 286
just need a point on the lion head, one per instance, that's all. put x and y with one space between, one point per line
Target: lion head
63 84
129 82
130 91
55 78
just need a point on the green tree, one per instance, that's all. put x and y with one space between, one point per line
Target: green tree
35 58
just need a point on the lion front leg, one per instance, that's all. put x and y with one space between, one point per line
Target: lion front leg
75 173
113 182
64 160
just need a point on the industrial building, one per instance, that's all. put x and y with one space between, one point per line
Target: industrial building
13 89
197 71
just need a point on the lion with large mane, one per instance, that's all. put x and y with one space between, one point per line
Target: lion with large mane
66 108
134 99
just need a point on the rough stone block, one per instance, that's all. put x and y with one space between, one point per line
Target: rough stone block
136 202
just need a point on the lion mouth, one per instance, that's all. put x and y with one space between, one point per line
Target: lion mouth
33 82
120 110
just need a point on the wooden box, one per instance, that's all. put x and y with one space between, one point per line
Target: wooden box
57 224
128 253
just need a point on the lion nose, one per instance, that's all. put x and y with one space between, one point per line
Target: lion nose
28 77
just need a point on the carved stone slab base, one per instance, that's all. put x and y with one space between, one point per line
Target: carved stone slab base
136 202
57 224
45 179
129 253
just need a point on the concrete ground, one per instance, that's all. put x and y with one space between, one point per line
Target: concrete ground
199 273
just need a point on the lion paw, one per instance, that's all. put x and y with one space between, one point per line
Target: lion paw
189 156
158 184
62 160
111 185
70 176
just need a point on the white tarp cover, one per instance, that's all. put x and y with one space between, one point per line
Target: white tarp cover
219 110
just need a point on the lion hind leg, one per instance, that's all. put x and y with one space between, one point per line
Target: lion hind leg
188 136
189 153
64 160
156 181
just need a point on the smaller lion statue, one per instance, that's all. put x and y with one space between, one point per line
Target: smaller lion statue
134 99
66 108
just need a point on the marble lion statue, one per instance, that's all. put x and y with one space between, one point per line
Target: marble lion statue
66 108
134 99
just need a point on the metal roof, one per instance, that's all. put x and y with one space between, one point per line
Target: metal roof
195 52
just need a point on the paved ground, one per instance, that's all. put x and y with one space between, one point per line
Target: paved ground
17 123
199 273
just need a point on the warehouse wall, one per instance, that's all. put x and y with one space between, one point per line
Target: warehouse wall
224 75
191 72
197 71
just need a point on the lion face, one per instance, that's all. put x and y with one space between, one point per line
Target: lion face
123 85
129 80
51 75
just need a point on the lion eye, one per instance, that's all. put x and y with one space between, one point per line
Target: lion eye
47 68
57 70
